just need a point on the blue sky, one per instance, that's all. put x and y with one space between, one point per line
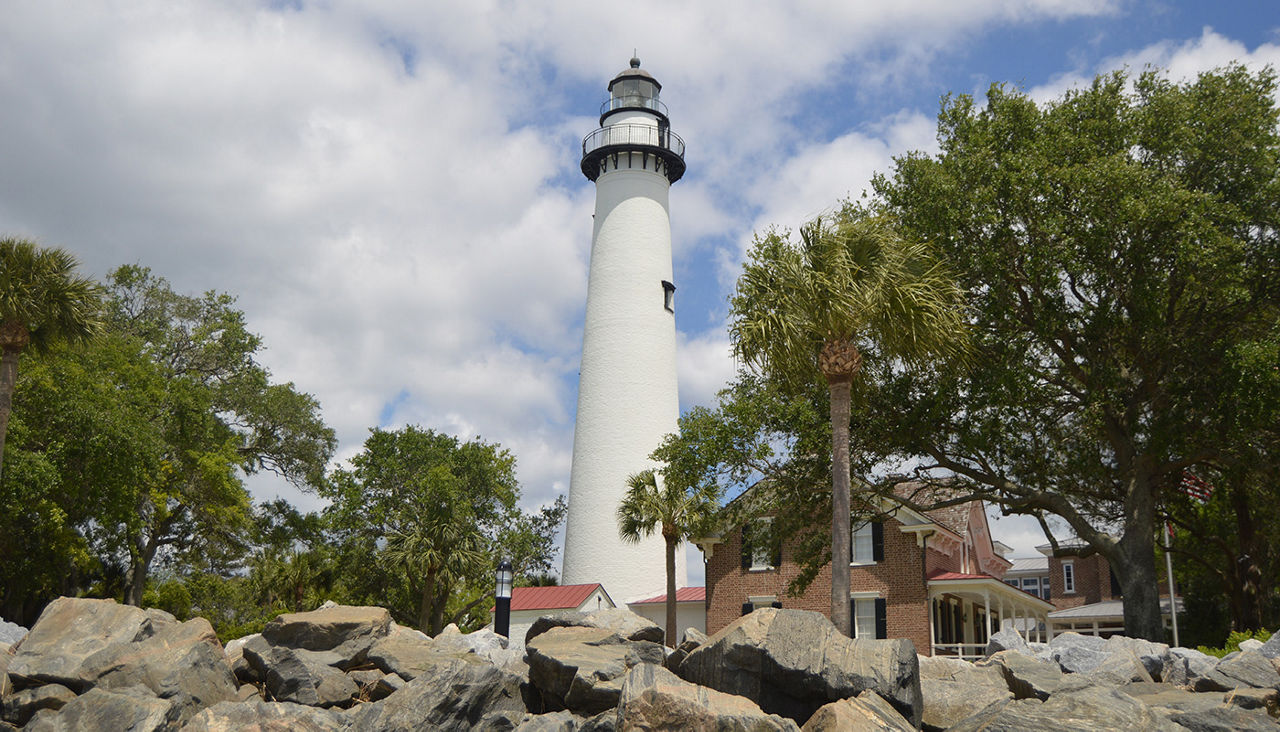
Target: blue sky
391 188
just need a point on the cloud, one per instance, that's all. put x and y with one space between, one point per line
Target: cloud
390 187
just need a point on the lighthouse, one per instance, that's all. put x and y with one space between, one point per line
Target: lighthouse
627 398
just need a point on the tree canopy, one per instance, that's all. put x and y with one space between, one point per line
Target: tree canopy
1119 245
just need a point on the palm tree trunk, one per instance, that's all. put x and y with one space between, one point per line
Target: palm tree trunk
840 388
8 378
671 592
425 605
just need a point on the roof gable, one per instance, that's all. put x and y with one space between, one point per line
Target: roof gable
561 597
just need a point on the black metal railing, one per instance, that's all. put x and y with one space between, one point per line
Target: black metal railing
633 101
626 135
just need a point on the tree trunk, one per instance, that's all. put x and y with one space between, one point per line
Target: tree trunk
141 552
428 599
671 592
1247 606
840 388
1139 580
8 378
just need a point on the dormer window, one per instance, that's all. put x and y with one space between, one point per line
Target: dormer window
668 296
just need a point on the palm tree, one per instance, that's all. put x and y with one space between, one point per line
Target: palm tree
651 501
41 301
852 287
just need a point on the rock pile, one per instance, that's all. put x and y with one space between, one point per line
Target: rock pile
97 665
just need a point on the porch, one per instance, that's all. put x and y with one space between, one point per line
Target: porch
964 609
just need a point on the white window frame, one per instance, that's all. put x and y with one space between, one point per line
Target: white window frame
761 601
867 533
1068 577
761 553
864 613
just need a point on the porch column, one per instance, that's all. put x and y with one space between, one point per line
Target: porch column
933 632
986 611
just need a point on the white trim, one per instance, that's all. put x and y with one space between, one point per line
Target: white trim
1068 577
870 595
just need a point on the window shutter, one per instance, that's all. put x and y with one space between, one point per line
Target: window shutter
747 608
853 618
777 604
776 560
746 547
882 617
877 541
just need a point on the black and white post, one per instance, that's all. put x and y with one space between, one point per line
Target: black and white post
502 597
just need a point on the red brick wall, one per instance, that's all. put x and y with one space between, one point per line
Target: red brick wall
1092 579
899 579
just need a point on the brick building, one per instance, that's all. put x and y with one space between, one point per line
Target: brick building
933 577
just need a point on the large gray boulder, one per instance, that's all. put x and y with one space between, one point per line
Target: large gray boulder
1271 649
1026 677
406 653
867 712
288 676
344 630
654 698
1082 709
126 710
11 633
1006 640
945 668
266 717
1150 655
948 702
624 623
1229 719
20 707
457 694
792 662
181 662
582 669
1249 668
561 721
1075 653
70 631
1185 667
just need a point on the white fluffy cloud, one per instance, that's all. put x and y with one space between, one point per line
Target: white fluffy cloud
390 187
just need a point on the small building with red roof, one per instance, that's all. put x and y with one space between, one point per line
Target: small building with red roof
530 603
691 610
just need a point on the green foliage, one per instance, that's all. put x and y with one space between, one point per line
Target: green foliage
421 519
1234 639
1118 246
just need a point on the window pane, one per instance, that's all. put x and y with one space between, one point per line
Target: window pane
865 617
862 544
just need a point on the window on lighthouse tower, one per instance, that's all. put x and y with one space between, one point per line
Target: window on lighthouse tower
668 296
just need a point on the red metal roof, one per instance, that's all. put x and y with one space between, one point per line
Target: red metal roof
683 594
551 598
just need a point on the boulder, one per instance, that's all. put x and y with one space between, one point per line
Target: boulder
20 707
944 668
265 716
1249 668
486 644
1271 649
1230 719
289 676
1267 700
948 702
405 653
581 669
1026 677
792 662
1168 699
867 712
1081 709
1075 653
11 633
561 721
654 698
1071 638
1006 640
68 632
693 638
182 662
1150 655
342 629
1251 644
456 694
125 710
626 624
1186 668
606 721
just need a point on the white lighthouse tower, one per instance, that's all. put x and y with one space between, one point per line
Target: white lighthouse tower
627 397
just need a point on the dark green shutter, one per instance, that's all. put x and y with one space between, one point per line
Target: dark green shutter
877 542
746 547
747 608
882 617
853 618
777 555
